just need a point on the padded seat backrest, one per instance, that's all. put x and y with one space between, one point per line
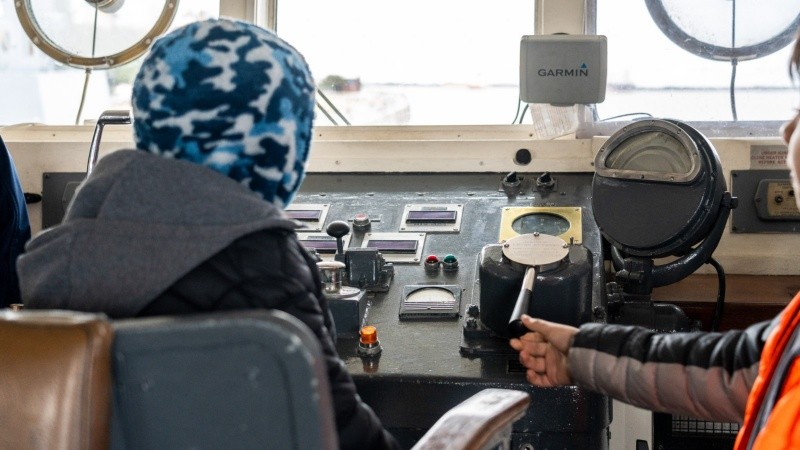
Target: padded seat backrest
54 380
245 380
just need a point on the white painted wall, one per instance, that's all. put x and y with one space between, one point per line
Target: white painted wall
630 424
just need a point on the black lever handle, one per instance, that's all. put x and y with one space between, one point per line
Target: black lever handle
515 325
338 229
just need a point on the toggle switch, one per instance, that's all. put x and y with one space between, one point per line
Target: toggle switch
511 184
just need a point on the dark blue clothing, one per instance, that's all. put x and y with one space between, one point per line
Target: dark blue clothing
15 228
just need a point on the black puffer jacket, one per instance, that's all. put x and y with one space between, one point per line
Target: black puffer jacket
269 269
703 375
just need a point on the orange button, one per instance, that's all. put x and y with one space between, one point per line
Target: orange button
369 335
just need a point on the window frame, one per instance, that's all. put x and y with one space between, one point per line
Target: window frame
551 16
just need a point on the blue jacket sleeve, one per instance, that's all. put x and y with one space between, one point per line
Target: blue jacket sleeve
15 229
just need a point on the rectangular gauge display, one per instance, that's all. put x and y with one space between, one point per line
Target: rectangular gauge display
304 214
393 246
320 245
432 216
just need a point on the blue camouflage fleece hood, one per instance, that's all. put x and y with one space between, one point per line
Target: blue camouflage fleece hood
230 96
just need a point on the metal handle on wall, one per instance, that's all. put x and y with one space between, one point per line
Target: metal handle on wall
110 117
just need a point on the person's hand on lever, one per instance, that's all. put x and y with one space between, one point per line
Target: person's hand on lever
544 350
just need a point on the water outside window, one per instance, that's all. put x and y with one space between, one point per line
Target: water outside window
412 62
448 62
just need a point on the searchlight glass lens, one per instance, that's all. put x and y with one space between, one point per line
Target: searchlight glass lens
654 152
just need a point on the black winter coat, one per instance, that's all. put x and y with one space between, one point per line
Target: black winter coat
270 269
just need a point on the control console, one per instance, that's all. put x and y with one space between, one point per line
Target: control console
421 294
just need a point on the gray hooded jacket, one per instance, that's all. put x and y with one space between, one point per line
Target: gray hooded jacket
136 226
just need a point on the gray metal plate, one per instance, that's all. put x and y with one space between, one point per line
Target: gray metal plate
310 225
57 191
310 239
432 227
410 257
745 218
430 302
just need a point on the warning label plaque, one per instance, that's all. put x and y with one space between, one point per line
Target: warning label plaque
768 157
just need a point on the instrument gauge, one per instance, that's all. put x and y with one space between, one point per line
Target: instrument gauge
543 223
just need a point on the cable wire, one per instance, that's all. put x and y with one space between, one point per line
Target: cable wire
83 95
734 61
516 114
524 110
88 69
626 115
720 305
94 30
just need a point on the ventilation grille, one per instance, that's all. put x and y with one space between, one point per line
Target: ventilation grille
690 425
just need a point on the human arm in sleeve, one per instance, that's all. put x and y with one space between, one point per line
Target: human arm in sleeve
704 375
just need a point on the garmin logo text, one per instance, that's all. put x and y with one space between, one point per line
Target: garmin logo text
582 71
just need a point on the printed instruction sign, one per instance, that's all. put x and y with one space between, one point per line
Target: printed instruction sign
768 157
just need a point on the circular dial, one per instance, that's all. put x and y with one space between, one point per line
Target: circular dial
541 223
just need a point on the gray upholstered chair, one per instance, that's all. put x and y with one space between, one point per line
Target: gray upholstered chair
254 379
246 380
251 379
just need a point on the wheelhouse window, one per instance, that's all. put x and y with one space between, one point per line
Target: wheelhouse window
413 62
456 62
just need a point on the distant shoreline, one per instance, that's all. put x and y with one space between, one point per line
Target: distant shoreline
614 87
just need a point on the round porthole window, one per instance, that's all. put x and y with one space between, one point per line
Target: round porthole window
729 30
94 34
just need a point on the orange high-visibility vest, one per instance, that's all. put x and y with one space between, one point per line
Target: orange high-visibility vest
781 429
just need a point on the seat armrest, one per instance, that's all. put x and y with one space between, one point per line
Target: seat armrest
482 421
